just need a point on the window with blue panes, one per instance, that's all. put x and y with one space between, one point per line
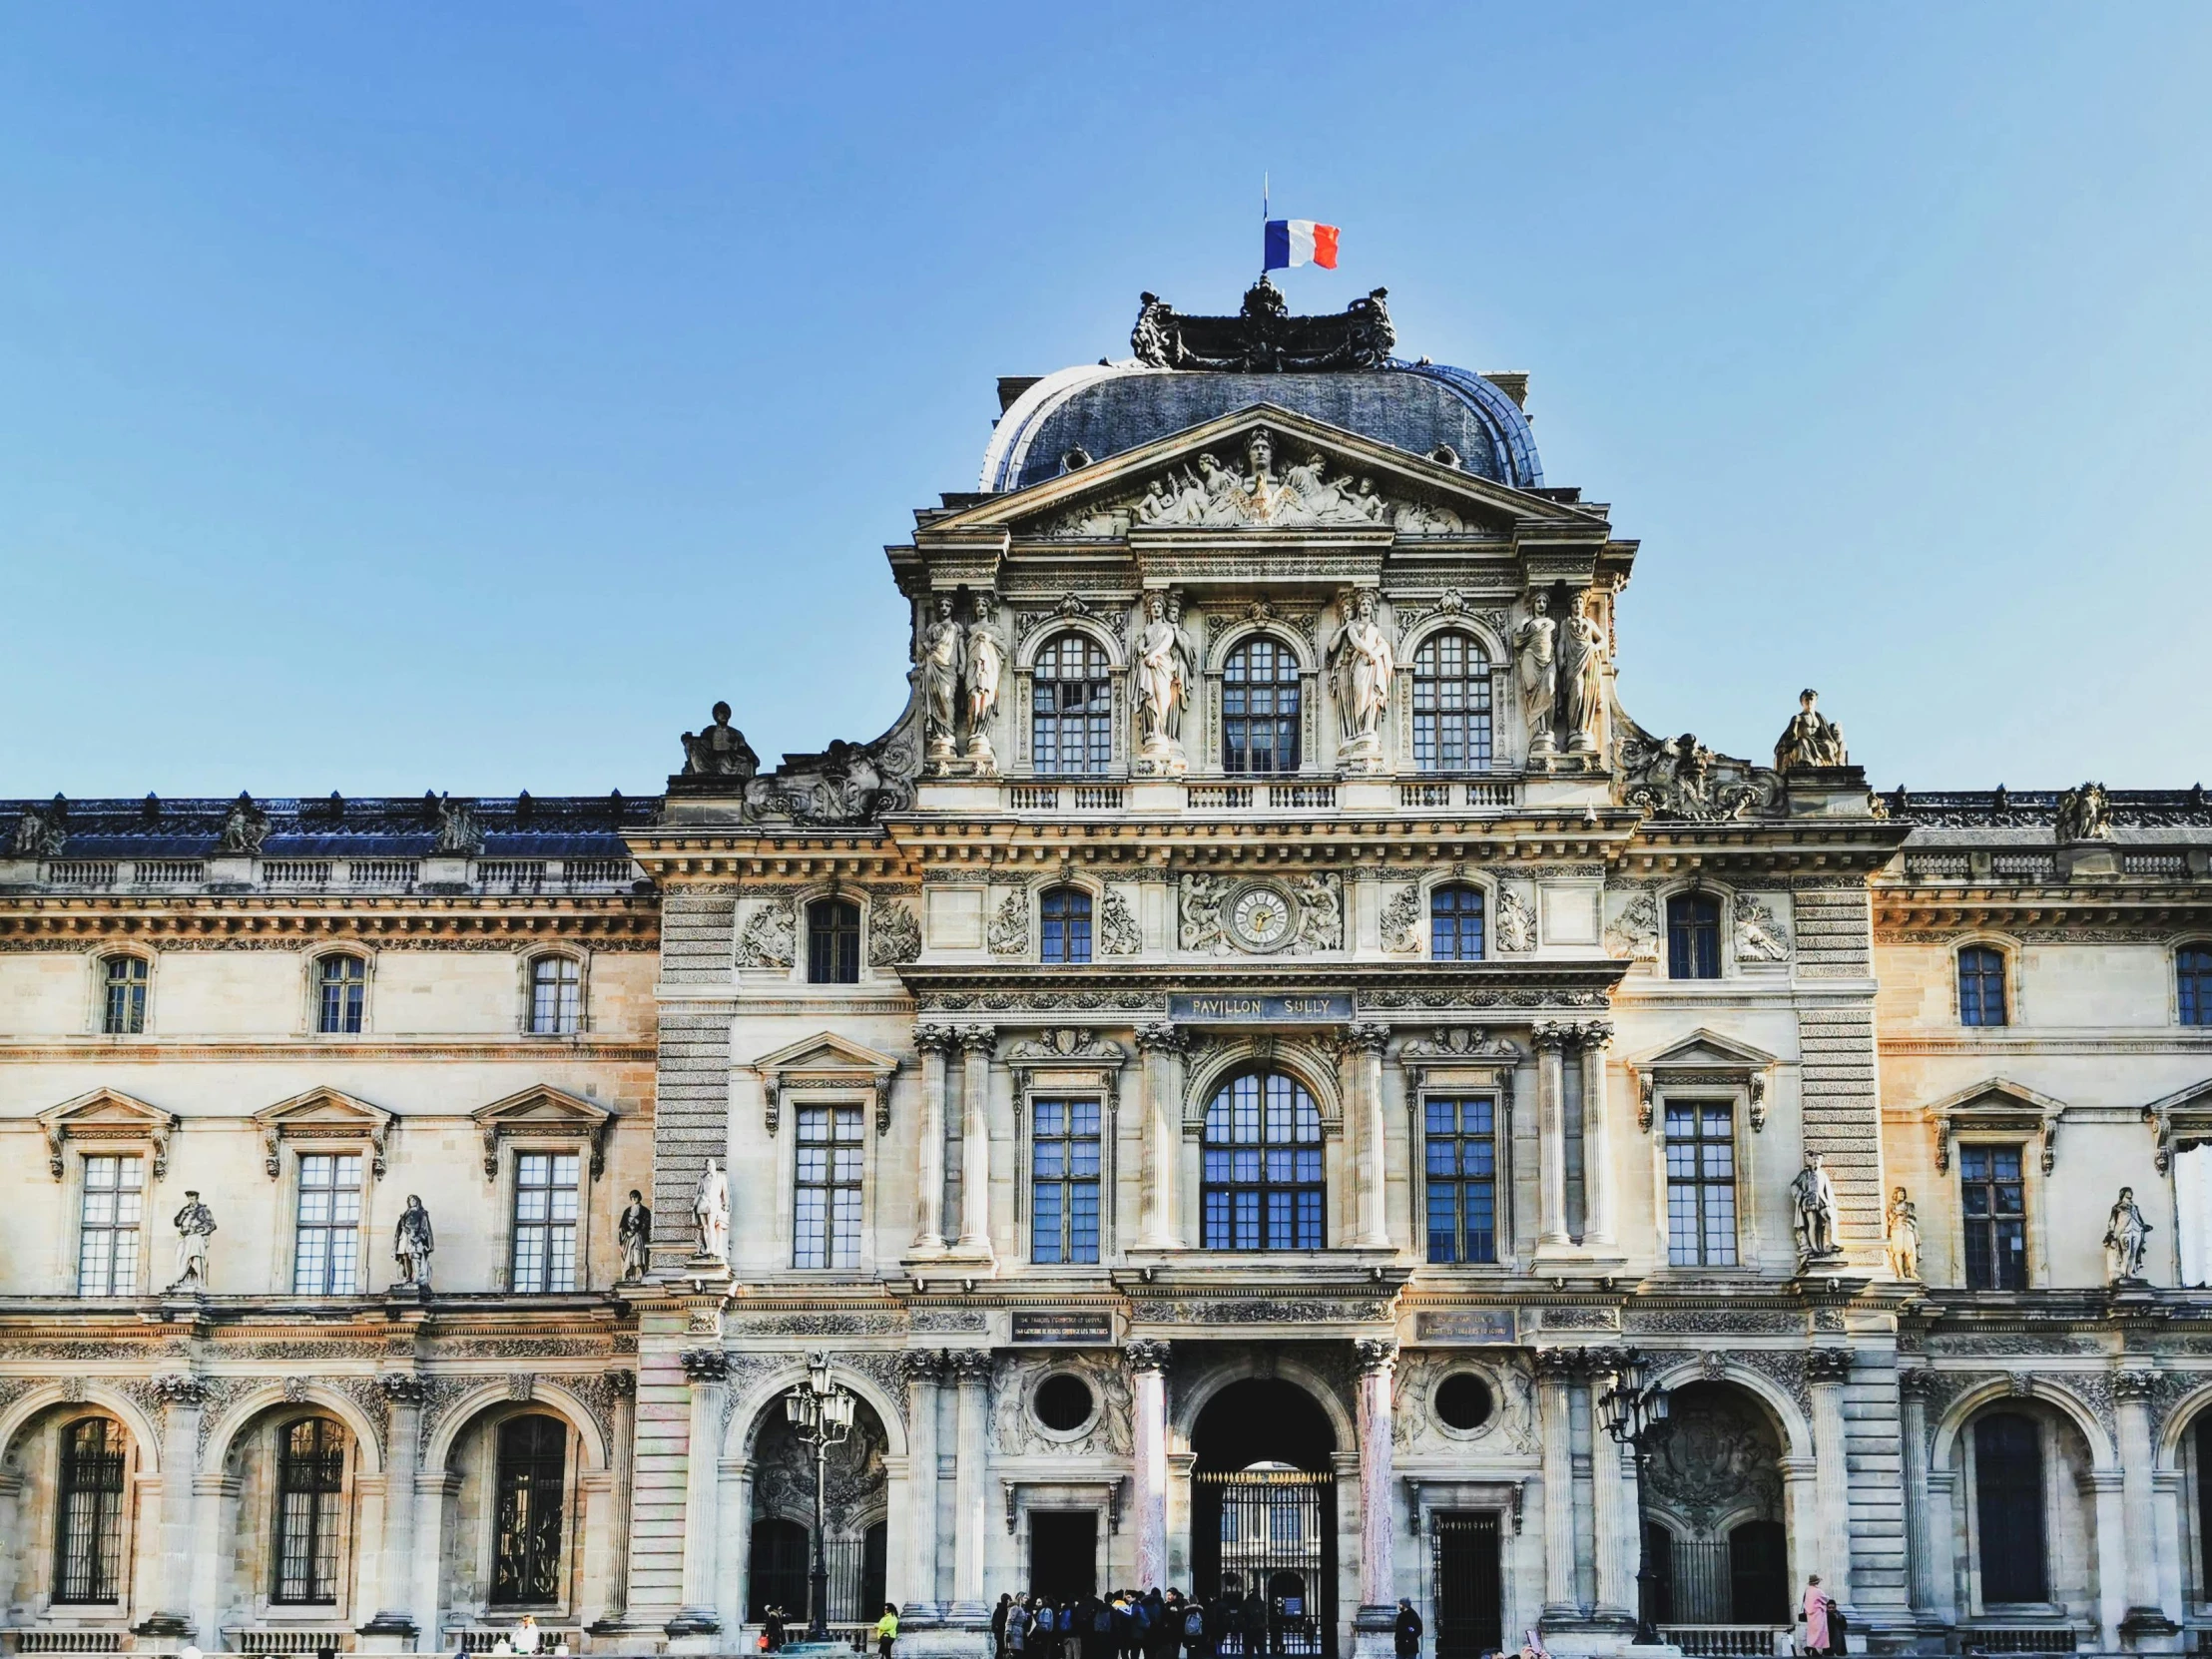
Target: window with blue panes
2193 984
1461 1170
1701 1184
1259 707
1455 924
1071 723
1063 1197
1260 1182
1065 917
1981 987
1693 936
1452 705
827 1207
1992 1194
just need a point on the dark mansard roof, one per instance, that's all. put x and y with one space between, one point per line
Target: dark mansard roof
559 827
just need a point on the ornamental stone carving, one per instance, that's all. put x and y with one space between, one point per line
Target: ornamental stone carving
1634 933
42 833
1759 934
1374 1355
1262 338
1068 1043
1536 672
1118 934
1147 1355
769 937
2126 1239
1516 923
413 1245
1015 1427
1162 667
1681 779
1203 896
244 827
921 1364
1213 493
1158 1036
1828 1364
894 936
1901 1235
1009 929
1582 666
1401 921
1812 1200
1321 911
1811 739
718 749
703 1365
1362 662
2084 814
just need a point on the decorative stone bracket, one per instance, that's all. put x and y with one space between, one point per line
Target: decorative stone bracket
1997 1106
825 1064
2182 1120
1109 1492
1704 1061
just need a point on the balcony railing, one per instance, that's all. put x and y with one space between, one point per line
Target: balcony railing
300 1640
1725 1641
81 872
295 872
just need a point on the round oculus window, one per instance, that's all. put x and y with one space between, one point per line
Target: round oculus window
1063 1402
1462 1401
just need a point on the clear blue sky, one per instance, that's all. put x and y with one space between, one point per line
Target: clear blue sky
396 397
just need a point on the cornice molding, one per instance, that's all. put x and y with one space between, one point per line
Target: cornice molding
259 921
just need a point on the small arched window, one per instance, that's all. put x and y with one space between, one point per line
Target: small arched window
1071 709
556 996
533 1477
123 996
1261 1185
1982 985
87 1548
1455 924
311 1487
2008 1509
1260 708
833 942
1693 936
2193 983
341 993
1066 916
1451 704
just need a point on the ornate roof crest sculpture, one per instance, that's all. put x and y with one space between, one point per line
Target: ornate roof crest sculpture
2084 814
1262 338
1681 779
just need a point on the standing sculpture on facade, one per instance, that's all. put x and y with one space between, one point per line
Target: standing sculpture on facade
1811 739
1813 1193
194 1225
413 1245
1364 663
2086 814
711 1211
1582 675
987 666
2127 1238
1903 1223
1536 653
720 750
633 1237
1165 664
943 659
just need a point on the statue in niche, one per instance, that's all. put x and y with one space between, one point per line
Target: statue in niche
1364 662
1165 661
1813 1193
986 665
720 751
1811 739
1536 652
1583 671
633 1237
1903 1223
412 1244
2086 814
194 1225
2127 1238
711 1211
943 659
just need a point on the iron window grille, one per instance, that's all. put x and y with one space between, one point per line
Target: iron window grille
1262 1186
1452 705
546 1207
311 1489
1260 708
1701 1184
828 1200
1071 723
88 1553
1461 1178
114 1210
1064 1170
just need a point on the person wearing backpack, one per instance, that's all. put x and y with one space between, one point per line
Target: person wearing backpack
1194 1640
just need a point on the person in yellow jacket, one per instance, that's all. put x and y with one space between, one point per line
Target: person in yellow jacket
887 1630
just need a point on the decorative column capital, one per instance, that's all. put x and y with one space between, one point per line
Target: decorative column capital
1915 1382
1828 1366
936 1039
179 1389
402 1388
1561 1364
705 1364
921 1364
980 1039
1553 1036
1363 1038
1376 1355
1147 1355
971 1366
2132 1385
623 1384
1162 1037
1594 1033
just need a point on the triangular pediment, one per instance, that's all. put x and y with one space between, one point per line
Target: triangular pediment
1998 1096
1320 478
321 1114
107 1115
2182 1119
543 1110
1997 1106
1704 1050
825 1051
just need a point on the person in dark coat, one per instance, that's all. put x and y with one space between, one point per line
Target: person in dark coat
1255 1621
1406 1631
771 1629
999 1626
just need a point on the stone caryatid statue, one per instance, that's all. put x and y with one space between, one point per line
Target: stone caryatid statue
711 1213
1813 1196
2086 814
1902 1224
1165 664
194 1225
633 1237
720 750
986 667
943 661
1536 661
1364 662
2127 1238
413 1243
1582 675
1811 739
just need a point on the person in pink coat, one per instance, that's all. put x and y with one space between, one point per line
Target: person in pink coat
1814 1615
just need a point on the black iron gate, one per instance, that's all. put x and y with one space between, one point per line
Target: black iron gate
1464 1584
1266 1542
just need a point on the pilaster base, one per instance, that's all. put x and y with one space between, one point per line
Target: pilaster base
1374 1633
388 1633
945 1642
694 1630
165 1624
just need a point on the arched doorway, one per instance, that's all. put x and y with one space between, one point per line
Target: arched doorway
1263 1518
1714 1511
779 1540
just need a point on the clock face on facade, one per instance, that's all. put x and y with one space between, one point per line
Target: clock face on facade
1259 917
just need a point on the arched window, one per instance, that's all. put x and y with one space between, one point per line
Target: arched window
1259 707
1451 704
1066 916
311 1486
1071 707
2193 983
833 942
1455 924
1693 936
342 986
1262 1183
776 1571
556 996
88 1550
1981 987
533 1477
2008 1509
123 999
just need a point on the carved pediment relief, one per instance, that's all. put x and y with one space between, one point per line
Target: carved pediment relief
321 1114
1997 1106
543 1110
2183 1119
1707 1059
1680 778
107 1115
826 1061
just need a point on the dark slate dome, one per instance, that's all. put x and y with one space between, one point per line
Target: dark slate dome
1105 409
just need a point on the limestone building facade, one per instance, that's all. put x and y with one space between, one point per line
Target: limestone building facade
1233 1079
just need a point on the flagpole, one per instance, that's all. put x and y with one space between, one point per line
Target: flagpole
1262 225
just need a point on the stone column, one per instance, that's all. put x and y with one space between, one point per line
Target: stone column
923 1368
1364 1044
623 1384
1921 1548
395 1613
2113 1548
981 1042
1555 1374
1613 1517
1550 1040
1159 1114
970 1499
1597 1151
1378 1568
2145 1618
1148 1365
181 1398
708 1370
1829 1370
934 1041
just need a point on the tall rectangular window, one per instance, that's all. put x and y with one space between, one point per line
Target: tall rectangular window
109 1224
829 1195
123 1006
326 1241
343 986
88 1552
1452 705
1993 1200
1071 722
1981 986
545 1221
556 996
1063 1198
1693 936
532 1478
311 1487
1462 1168
1701 1184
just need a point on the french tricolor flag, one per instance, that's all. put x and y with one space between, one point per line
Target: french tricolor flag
1297 241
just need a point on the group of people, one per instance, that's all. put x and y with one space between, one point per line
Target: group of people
1150 1624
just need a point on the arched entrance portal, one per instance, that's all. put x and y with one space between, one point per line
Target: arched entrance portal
1714 1513
1263 1518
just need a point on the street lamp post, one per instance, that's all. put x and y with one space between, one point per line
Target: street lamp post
821 1415
1634 1412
